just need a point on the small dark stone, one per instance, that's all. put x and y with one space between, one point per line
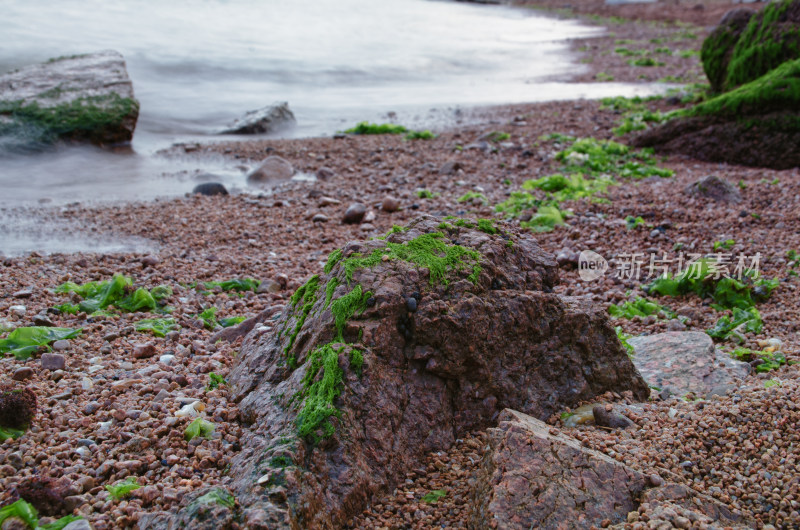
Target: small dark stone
371 301
210 188
415 206
164 462
411 304
416 296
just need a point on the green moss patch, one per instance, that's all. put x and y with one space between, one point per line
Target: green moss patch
769 40
428 251
307 294
320 391
778 90
84 115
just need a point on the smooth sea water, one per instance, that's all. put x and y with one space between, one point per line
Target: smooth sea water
198 65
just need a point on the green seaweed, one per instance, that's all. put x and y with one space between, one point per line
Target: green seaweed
308 295
320 393
199 427
235 284
641 307
330 287
88 115
25 341
333 258
420 135
100 295
427 251
21 510
365 127
345 307
470 195
122 489
771 360
434 496
777 90
545 219
219 496
356 361
157 326
741 320
762 47
623 339
215 381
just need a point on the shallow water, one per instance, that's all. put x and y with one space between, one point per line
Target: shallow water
196 66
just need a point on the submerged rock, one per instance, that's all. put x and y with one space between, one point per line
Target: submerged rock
265 120
82 98
351 388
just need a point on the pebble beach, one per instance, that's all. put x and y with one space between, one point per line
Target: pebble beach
115 401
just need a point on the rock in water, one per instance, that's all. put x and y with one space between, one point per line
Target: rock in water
266 120
351 388
273 169
82 98
210 188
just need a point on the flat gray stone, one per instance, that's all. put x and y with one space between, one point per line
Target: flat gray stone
685 361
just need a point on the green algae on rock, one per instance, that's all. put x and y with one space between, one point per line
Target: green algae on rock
82 99
407 343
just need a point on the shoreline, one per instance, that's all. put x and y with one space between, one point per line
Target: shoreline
276 239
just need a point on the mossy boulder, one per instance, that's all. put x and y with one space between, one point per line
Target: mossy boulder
397 348
718 46
743 48
78 99
756 124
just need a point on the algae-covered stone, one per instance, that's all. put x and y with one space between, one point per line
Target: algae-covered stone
756 124
745 46
718 46
82 99
401 345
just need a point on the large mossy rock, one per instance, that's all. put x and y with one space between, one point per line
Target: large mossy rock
718 46
400 347
79 99
745 47
756 124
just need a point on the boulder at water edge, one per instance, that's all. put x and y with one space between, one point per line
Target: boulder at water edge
266 120
82 98
402 345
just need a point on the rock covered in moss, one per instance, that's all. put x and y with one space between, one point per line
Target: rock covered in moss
743 48
756 124
83 98
718 46
354 384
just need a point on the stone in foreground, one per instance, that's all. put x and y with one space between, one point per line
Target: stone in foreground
401 346
534 476
81 99
685 361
